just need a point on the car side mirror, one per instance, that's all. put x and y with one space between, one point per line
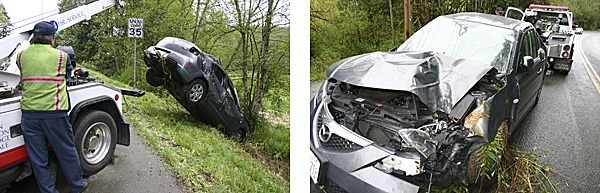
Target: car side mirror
527 62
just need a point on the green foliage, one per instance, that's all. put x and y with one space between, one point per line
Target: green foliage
5 25
273 139
340 29
584 11
517 170
203 159
103 43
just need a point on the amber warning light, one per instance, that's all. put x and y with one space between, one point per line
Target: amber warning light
548 7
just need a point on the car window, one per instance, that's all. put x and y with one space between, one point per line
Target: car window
526 47
533 43
220 74
194 51
529 47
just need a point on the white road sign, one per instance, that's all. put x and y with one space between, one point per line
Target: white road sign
136 28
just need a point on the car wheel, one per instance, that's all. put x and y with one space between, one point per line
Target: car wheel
195 91
95 140
239 135
565 72
477 182
153 78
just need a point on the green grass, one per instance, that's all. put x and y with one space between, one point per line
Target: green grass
272 140
202 157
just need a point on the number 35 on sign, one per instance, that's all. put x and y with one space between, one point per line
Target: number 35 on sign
136 28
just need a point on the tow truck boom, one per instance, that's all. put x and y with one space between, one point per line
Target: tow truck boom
18 40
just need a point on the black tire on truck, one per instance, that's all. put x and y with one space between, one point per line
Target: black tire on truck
95 140
8 176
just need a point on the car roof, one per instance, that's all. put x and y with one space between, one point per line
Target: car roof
175 40
489 19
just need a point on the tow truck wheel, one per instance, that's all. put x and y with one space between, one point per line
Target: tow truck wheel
95 140
195 91
8 176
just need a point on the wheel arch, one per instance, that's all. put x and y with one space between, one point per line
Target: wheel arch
108 105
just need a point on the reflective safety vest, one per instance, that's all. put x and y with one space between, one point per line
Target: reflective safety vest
43 71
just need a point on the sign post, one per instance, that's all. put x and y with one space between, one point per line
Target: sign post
136 30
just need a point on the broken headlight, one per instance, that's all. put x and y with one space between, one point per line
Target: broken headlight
477 120
419 140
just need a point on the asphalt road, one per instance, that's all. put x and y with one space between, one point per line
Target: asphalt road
135 169
565 122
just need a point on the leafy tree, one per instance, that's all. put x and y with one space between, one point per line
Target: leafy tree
250 37
5 25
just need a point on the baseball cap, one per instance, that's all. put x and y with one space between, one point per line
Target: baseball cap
44 28
499 9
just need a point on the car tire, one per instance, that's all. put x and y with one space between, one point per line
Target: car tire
195 91
95 140
475 181
153 78
239 135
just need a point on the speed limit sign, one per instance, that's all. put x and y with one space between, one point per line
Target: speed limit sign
136 28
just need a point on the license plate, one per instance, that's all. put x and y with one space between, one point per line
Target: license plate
315 166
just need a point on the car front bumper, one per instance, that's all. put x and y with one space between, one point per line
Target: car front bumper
341 165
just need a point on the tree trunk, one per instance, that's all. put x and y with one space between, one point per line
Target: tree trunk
392 24
261 79
357 22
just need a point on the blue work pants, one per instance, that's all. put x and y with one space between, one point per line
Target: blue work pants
39 128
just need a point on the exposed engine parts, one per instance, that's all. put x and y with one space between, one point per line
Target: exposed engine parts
431 141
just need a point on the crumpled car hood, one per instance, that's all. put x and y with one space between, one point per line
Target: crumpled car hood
439 81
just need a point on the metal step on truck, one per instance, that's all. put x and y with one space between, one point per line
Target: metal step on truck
96 108
554 24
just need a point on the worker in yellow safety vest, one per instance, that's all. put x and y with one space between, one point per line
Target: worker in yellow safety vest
44 107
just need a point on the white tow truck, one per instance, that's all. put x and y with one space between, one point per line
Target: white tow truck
554 24
95 114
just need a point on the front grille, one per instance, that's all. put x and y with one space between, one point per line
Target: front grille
337 143
332 187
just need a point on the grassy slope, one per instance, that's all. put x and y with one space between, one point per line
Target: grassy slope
203 158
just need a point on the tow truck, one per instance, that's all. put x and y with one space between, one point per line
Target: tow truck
554 24
96 113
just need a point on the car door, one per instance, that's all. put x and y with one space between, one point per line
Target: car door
514 13
528 77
